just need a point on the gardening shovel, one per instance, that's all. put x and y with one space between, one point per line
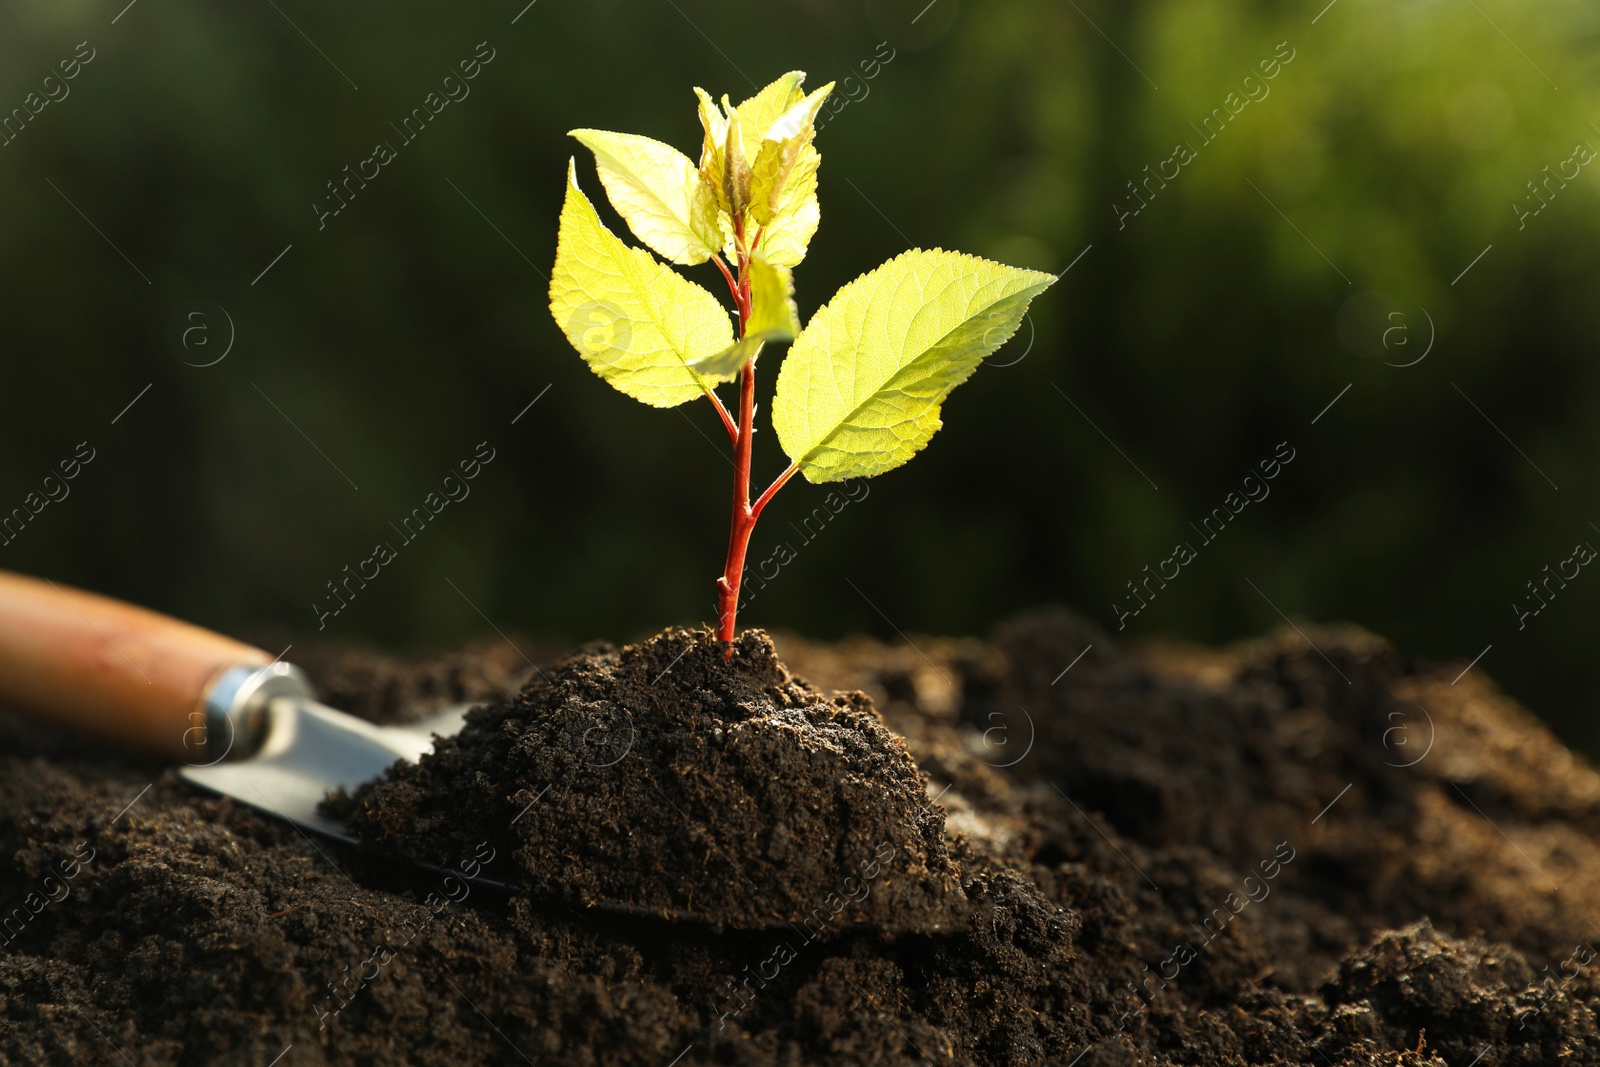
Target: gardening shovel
244 724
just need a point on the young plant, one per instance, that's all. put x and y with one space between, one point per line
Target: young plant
860 390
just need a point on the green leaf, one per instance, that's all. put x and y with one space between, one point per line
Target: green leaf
736 137
795 212
860 391
796 215
758 114
712 164
785 149
731 360
635 321
772 310
659 193
773 317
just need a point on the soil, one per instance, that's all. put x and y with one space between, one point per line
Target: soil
1305 849
664 780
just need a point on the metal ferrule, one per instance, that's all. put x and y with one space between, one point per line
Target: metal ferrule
236 706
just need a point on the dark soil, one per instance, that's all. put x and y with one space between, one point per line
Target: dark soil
664 780
1272 854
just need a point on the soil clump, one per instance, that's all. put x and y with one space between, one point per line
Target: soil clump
662 779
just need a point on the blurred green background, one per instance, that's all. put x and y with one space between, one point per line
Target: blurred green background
1317 242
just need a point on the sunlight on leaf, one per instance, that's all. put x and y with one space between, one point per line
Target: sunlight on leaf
773 317
715 125
758 114
860 391
785 149
635 321
659 193
772 310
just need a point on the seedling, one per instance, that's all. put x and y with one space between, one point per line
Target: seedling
860 390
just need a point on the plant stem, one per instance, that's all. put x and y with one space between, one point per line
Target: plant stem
716 402
727 420
772 490
744 514
723 267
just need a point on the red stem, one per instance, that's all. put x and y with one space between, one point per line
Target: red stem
772 490
723 267
716 402
727 420
744 514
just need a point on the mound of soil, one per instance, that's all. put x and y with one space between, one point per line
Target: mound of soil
1305 849
662 779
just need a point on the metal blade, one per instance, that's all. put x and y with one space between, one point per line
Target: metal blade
311 749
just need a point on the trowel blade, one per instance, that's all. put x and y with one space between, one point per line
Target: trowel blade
311 749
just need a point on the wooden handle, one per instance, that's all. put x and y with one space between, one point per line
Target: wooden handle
103 667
